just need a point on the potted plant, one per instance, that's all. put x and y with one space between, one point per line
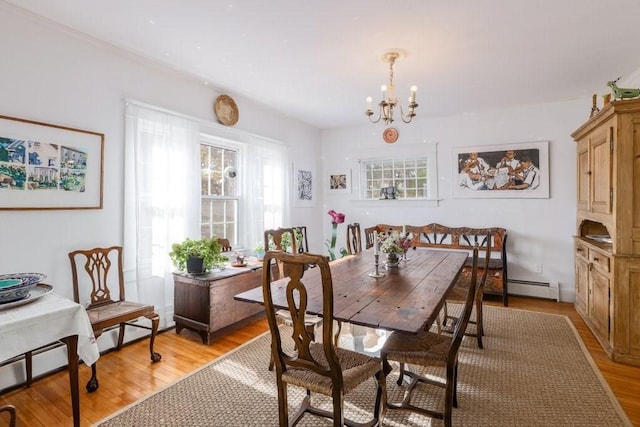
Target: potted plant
197 256
259 251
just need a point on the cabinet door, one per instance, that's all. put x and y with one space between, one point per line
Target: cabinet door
599 304
584 175
601 153
582 286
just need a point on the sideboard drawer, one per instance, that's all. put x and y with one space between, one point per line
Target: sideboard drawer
599 260
582 250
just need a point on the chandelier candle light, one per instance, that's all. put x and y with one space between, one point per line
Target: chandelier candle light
389 100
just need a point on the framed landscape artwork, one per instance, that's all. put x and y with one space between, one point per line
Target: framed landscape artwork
45 166
339 181
304 191
519 170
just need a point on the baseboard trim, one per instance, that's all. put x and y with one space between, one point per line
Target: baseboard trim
546 291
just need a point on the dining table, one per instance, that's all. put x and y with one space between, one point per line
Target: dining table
48 319
406 298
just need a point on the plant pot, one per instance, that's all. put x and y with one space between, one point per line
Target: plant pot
392 260
194 265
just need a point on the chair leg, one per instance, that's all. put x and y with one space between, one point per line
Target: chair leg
401 375
120 336
155 321
479 324
28 362
92 384
283 408
446 314
336 338
338 407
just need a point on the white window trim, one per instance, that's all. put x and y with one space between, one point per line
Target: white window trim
406 151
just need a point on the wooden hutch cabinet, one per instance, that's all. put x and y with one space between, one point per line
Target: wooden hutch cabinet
607 244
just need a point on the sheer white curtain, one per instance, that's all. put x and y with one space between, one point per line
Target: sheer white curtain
162 204
265 189
162 194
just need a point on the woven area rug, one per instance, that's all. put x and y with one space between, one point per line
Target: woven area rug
533 371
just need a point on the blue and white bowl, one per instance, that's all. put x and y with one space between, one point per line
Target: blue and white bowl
16 286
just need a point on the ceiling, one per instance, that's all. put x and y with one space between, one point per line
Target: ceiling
317 60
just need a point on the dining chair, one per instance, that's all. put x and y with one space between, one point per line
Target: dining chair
12 414
275 239
457 295
368 236
354 239
427 349
104 311
317 367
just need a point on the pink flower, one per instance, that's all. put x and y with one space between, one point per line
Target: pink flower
336 217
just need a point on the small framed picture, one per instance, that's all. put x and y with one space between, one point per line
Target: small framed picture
304 191
339 181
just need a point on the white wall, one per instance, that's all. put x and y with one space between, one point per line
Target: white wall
539 230
52 75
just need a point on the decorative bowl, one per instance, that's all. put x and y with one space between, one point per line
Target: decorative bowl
16 286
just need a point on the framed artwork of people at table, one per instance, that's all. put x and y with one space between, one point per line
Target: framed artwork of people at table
519 170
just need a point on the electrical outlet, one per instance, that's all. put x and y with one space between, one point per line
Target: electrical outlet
538 268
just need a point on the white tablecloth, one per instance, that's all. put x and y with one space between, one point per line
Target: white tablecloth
43 322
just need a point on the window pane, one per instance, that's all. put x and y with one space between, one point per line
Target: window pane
220 195
408 176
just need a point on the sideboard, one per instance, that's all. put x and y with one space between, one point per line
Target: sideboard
607 242
205 304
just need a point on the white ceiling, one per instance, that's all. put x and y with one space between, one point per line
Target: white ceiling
317 60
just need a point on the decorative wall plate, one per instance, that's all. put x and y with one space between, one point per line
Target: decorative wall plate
226 110
390 135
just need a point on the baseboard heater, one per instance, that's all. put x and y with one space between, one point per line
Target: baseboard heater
530 288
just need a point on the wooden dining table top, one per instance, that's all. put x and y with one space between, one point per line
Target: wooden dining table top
405 299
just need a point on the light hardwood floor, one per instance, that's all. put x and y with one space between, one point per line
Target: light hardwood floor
128 375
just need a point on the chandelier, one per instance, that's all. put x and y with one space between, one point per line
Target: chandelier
389 100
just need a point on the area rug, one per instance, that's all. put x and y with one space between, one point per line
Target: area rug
533 371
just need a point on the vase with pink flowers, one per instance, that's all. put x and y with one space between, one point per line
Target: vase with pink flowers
336 218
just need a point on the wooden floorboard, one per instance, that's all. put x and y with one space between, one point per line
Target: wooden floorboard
128 375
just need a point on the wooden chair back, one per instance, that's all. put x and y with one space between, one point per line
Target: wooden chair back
103 268
354 239
298 295
12 414
274 240
380 228
300 233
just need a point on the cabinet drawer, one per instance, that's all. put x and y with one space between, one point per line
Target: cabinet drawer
600 260
582 250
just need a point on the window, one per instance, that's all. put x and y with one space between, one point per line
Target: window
219 192
394 178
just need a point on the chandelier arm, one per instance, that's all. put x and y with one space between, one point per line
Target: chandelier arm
409 115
